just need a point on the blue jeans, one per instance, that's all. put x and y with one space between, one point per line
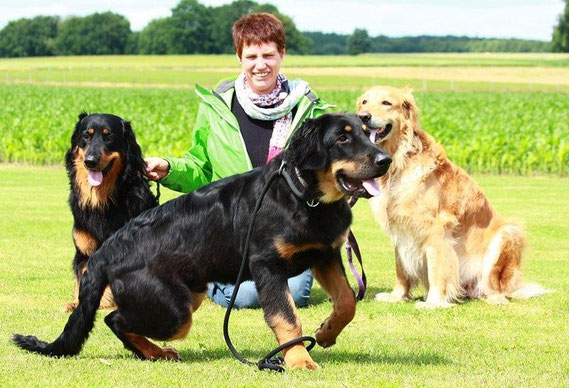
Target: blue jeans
247 296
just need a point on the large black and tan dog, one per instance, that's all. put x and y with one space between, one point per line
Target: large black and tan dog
158 265
108 186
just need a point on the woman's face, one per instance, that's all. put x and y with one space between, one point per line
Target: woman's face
261 64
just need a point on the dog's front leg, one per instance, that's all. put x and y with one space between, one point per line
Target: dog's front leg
332 278
442 272
281 316
401 291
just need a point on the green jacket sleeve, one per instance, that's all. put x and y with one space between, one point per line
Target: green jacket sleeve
193 170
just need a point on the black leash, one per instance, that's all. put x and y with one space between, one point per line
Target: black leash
269 361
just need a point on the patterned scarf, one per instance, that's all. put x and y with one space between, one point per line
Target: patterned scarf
281 102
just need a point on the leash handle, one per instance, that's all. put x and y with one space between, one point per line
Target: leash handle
352 244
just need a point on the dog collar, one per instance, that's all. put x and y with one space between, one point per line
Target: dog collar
303 195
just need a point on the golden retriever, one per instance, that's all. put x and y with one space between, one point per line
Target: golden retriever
446 233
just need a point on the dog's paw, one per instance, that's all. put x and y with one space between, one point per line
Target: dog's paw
497 299
69 307
432 306
324 337
388 297
303 364
170 354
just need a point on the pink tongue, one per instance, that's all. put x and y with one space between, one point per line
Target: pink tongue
371 186
372 134
96 177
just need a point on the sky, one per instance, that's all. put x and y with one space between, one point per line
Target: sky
525 19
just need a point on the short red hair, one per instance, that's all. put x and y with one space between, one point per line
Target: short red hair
258 28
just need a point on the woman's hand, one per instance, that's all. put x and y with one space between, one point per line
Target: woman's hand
156 168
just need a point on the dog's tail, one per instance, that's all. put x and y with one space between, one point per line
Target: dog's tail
81 321
529 290
514 243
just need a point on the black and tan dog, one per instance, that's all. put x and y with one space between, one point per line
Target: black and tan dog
108 186
158 265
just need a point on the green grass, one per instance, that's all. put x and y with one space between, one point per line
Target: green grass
474 344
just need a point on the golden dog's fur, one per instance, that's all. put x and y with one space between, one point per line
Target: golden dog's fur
446 234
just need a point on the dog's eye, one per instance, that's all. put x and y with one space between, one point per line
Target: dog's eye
387 103
364 102
86 135
342 139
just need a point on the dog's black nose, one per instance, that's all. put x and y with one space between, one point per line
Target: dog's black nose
383 161
364 116
91 161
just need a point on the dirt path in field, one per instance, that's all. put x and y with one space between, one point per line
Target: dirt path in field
536 75
558 76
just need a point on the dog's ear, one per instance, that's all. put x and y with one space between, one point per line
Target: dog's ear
76 132
410 109
307 146
134 163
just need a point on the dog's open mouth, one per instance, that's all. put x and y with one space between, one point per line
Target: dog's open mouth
365 188
383 132
95 177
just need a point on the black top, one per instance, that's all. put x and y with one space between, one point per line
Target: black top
256 133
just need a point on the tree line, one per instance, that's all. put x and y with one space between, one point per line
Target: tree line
194 28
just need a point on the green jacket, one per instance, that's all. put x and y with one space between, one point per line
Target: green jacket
218 149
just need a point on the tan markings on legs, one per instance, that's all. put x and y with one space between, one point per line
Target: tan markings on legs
288 250
96 196
296 356
85 242
197 299
150 350
334 282
73 305
184 328
107 301
401 290
338 242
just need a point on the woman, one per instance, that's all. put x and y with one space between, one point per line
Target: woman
243 124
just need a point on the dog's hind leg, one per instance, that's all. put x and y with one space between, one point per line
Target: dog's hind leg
138 344
401 291
501 273
150 307
281 316
332 278
197 299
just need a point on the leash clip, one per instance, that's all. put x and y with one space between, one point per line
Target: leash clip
313 203
281 168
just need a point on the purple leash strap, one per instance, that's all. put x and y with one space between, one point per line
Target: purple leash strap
353 244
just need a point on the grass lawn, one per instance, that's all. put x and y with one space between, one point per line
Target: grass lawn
522 344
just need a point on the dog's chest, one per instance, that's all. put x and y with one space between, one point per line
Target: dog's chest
412 256
400 201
